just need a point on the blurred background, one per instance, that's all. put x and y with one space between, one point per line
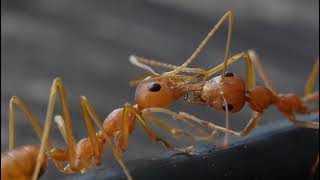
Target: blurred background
88 43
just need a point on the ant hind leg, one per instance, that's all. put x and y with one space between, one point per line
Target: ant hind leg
304 124
263 73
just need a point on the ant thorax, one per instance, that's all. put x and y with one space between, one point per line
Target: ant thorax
229 88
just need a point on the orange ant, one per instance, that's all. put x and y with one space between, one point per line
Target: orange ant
228 92
87 152
116 128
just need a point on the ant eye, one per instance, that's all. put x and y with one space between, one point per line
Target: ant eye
154 87
230 107
228 74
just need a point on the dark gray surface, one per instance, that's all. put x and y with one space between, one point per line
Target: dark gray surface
252 158
88 44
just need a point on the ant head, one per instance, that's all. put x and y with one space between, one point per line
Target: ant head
229 87
157 93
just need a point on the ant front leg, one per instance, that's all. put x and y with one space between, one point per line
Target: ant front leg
153 136
179 132
228 16
143 62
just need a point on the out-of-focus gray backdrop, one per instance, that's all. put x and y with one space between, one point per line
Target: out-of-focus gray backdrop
87 43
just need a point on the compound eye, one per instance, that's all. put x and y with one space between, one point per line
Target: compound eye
230 107
154 87
228 74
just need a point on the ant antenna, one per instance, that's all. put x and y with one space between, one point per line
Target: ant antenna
134 60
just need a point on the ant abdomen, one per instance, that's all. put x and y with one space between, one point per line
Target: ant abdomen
19 163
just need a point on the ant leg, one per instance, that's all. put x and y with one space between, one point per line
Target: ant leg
310 83
61 126
227 123
93 116
304 124
186 116
140 62
123 139
246 131
16 101
252 124
315 165
143 63
249 71
308 96
182 115
140 78
249 68
62 155
311 97
91 130
227 16
312 78
182 78
146 112
154 137
177 132
263 73
56 88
